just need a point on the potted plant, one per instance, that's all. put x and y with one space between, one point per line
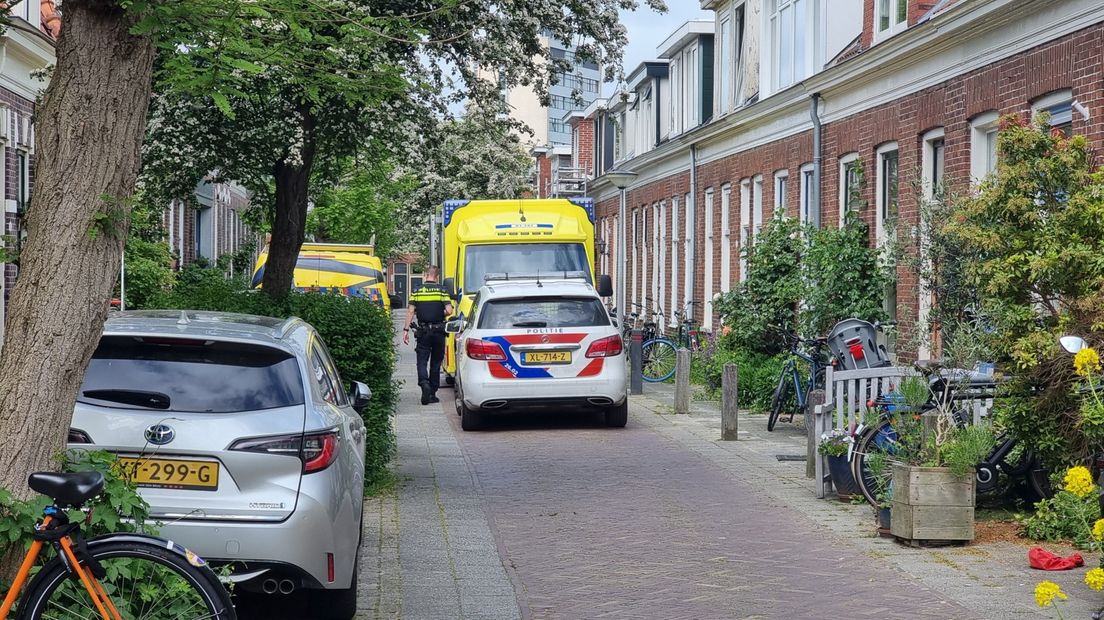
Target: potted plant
881 472
933 471
835 445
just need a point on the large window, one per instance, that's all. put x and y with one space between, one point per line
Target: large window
724 67
781 181
662 245
726 238
789 40
675 111
708 249
983 146
577 82
674 258
850 192
521 258
690 88
1059 107
688 255
888 201
634 277
745 225
805 214
891 18
542 312
933 165
657 247
756 206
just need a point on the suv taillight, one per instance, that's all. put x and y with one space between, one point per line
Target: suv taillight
606 347
317 450
483 350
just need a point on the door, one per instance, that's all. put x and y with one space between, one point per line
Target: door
398 298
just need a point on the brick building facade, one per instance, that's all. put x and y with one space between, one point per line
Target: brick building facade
209 224
914 104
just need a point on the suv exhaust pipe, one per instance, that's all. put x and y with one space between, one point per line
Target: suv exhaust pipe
269 586
599 401
287 586
494 404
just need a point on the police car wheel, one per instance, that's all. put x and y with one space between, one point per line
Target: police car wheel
470 420
618 415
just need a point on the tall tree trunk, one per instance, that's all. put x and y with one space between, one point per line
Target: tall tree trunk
290 222
89 128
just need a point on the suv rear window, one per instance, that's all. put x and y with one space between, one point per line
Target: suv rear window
173 374
543 312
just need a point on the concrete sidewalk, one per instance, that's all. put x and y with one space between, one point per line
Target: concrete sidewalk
992 579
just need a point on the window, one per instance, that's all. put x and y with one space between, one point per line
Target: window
788 37
738 56
674 258
323 353
726 238
1059 106
23 184
983 146
781 178
560 102
657 246
662 245
690 94
745 225
556 125
850 192
22 9
635 246
527 258
542 312
707 293
756 206
190 375
933 164
688 254
892 17
576 82
888 203
674 113
724 66
805 214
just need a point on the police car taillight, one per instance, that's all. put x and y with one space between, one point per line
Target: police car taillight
483 350
606 347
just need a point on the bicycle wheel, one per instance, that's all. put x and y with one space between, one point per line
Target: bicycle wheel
784 397
658 359
880 438
145 580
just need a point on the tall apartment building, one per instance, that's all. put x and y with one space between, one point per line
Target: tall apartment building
721 128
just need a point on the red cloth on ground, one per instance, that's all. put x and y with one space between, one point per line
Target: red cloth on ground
1044 560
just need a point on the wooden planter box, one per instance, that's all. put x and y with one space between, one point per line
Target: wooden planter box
930 504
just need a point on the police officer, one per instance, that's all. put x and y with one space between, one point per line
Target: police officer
431 303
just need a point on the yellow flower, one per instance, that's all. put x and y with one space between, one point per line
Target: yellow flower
1086 362
1046 592
1095 579
1079 481
1098 529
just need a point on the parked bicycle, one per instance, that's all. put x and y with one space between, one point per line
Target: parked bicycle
793 391
948 387
687 336
658 355
110 577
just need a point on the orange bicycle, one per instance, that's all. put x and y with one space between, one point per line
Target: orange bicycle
117 576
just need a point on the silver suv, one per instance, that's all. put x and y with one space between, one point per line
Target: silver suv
243 440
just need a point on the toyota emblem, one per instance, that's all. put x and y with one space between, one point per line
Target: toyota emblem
160 434
545 339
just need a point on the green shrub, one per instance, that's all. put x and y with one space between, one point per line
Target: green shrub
1065 516
758 375
358 333
148 271
844 277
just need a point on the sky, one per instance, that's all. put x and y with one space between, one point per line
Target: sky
647 29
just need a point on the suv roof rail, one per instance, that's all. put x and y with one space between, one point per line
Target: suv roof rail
283 329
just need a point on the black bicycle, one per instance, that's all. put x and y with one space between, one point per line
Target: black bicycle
793 390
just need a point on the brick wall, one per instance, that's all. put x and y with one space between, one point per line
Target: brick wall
1074 62
22 108
584 155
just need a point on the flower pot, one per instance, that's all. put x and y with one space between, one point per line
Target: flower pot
931 504
840 470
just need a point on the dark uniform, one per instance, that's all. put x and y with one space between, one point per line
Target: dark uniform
429 303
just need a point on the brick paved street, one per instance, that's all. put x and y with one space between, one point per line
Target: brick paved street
556 516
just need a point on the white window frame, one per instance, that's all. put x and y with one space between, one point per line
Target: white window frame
708 249
675 214
881 230
1051 100
928 161
781 187
844 162
676 95
983 128
663 263
745 225
775 25
895 26
689 206
925 301
645 249
657 247
756 206
635 245
805 176
726 238
724 60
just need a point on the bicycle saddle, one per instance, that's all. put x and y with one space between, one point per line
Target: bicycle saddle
70 489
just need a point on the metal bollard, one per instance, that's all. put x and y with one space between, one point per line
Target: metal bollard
730 422
636 378
682 381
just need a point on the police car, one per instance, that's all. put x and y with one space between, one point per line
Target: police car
538 342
